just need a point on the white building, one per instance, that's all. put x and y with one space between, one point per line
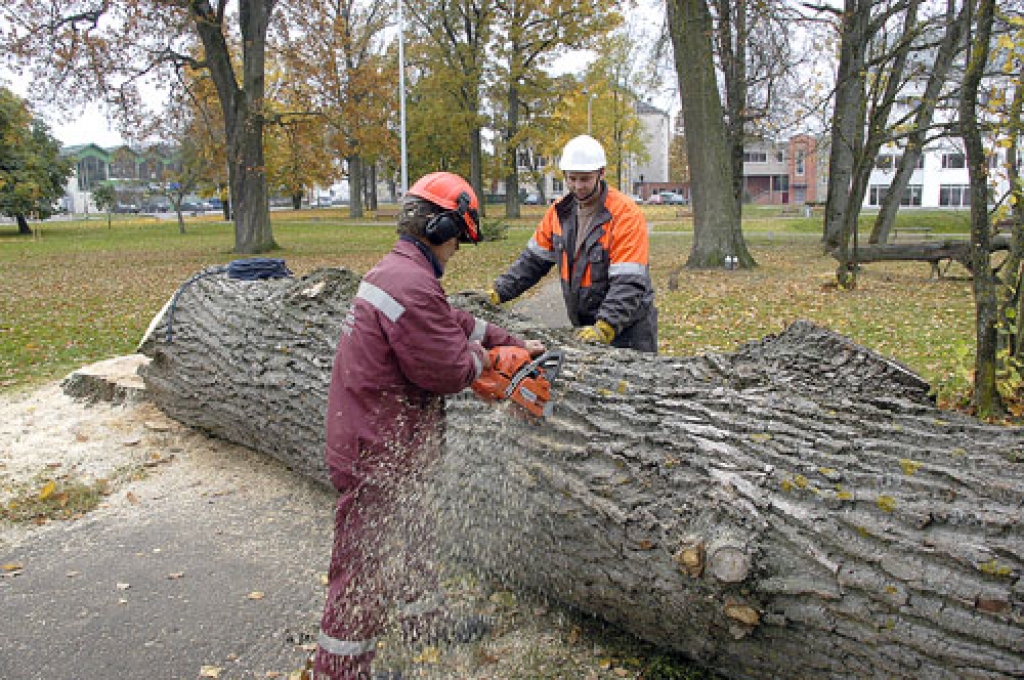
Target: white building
940 178
656 131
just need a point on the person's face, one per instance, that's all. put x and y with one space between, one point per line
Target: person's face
582 184
444 252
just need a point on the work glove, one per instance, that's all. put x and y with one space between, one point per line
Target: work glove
493 296
601 332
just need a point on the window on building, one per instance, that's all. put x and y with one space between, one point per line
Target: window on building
91 171
912 196
954 160
876 193
755 156
780 156
954 195
801 161
556 186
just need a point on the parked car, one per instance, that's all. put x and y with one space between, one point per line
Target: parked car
531 199
672 198
655 199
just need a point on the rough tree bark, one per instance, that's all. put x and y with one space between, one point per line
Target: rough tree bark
798 509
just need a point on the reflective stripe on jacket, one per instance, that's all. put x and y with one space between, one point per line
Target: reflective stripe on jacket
606 277
402 347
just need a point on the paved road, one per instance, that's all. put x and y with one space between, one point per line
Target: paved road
216 562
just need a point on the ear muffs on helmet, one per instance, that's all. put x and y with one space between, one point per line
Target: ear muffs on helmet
459 223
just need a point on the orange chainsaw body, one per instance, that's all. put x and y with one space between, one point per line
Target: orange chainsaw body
513 375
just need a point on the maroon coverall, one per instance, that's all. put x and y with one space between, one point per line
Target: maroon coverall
402 347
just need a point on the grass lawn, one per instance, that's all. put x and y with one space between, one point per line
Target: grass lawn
81 291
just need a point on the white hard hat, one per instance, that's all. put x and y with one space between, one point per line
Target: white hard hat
582 154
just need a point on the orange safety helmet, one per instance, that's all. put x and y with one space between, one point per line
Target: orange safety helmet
461 218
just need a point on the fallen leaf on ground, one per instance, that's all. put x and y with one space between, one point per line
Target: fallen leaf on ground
47 490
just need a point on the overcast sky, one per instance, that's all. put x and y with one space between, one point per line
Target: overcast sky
89 124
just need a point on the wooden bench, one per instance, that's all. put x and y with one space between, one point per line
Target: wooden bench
914 232
386 214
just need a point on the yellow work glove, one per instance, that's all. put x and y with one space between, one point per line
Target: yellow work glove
493 296
601 332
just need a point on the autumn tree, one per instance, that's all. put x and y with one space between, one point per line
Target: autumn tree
105 198
108 51
987 400
529 34
455 35
615 80
717 229
1006 106
334 57
32 171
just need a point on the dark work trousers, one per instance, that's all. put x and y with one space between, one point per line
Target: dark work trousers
382 558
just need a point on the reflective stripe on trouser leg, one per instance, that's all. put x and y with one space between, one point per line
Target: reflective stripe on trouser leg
338 647
353 616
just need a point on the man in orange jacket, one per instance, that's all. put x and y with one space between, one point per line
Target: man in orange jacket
598 238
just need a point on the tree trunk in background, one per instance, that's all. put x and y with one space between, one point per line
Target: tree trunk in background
23 227
797 509
355 186
987 400
717 231
242 108
371 185
512 155
732 40
848 119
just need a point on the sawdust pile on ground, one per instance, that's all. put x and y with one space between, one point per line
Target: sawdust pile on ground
140 453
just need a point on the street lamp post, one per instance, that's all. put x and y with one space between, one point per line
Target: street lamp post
401 96
590 101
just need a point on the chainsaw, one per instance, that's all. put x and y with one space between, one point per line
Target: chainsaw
513 375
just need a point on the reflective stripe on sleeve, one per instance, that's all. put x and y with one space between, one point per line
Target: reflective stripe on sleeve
478 363
345 647
624 268
540 251
479 331
380 299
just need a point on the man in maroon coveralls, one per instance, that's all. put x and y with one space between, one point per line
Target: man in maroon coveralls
402 348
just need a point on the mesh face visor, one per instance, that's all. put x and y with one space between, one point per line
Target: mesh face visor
471 232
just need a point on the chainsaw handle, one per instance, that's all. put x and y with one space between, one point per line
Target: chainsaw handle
551 361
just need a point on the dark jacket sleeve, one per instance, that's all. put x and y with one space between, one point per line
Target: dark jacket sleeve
533 263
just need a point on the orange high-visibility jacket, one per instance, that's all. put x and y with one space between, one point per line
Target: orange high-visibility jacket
605 278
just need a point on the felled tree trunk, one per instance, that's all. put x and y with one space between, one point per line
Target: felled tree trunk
796 509
924 251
